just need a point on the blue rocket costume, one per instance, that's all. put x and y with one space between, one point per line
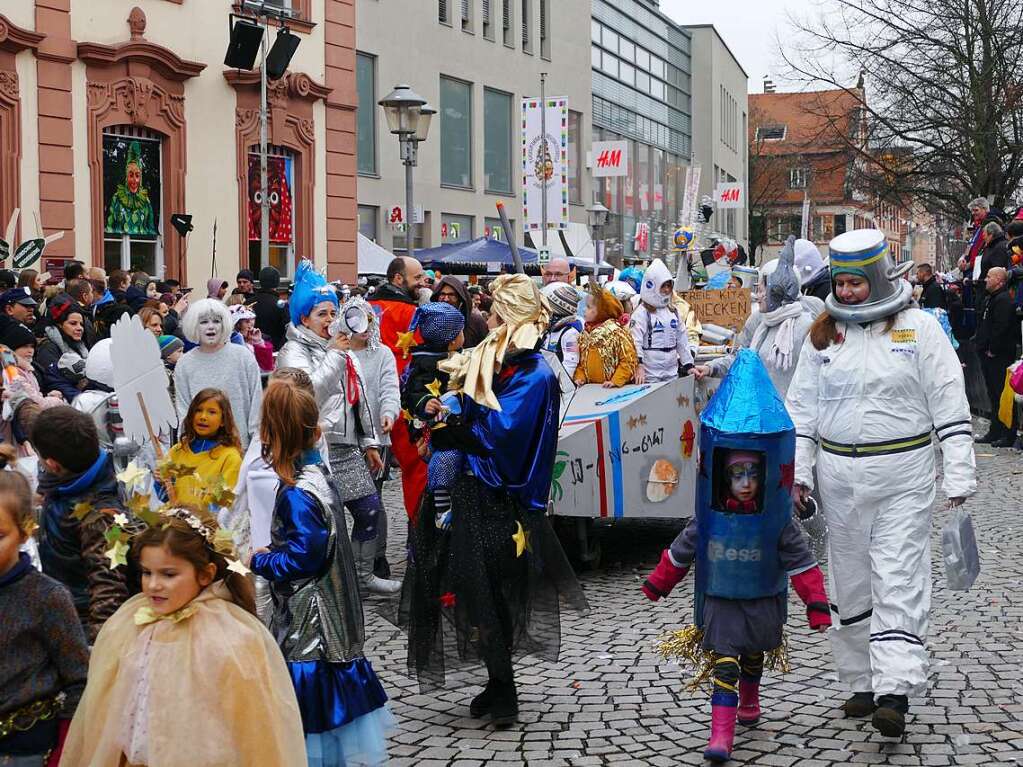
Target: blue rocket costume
745 547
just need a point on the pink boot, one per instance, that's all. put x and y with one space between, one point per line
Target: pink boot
749 701
722 727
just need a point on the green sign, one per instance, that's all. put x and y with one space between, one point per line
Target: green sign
28 253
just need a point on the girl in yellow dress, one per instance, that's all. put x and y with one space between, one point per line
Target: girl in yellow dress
210 445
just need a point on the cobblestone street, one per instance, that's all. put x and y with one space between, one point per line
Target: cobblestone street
612 700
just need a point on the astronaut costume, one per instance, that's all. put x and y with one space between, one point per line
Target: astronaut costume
865 408
662 343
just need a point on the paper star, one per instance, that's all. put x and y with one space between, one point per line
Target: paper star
407 415
81 510
132 473
405 342
117 554
521 539
120 520
434 387
447 599
236 566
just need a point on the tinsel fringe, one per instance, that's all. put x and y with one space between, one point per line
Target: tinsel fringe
685 645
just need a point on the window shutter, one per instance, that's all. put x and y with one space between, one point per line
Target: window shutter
507 14
465 10
486 11
543 19
525 23
442 10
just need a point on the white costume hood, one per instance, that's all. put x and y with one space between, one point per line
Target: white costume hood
653 278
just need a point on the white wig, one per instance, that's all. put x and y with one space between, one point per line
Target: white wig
205 308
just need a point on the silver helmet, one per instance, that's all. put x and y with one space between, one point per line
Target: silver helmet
864 252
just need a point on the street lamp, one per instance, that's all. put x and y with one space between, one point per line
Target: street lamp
597 215
408 117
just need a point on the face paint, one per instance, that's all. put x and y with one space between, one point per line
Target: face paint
208 419
211 328
744 481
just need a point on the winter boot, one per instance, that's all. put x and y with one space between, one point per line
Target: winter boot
861 704
890 717
749 701
482 703
365 554
504 705
722 726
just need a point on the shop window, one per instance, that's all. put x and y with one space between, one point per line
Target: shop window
455 228
132 199
493 229
280 184
739 478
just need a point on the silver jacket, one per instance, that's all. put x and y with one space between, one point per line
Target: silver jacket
321 618
326 367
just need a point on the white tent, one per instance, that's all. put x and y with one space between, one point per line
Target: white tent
373 259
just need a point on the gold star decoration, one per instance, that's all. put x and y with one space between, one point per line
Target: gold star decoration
236 566
521 539
132 473
682 401
434 387
405 342
636 420
407 415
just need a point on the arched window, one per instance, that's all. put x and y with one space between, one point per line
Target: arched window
132 199
280 182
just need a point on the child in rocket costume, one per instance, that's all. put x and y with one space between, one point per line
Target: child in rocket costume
877 379
662 343
746 546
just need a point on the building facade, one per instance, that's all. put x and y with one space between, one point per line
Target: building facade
803 150
720 110
116 116
642 93
473 61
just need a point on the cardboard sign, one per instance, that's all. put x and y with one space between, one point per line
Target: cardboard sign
729 195
28 253
728 308
610 158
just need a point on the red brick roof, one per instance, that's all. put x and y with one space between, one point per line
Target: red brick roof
814 122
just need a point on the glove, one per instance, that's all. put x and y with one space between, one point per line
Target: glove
664 578
443 520
809 585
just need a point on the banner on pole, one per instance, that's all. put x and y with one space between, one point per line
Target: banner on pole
804 225
545 158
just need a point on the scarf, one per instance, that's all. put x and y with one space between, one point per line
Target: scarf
784 318
740 507
65 344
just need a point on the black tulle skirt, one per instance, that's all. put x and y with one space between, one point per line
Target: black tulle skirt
485 592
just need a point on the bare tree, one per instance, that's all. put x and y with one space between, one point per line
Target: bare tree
943 102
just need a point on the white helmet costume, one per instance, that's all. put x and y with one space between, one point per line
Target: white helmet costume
864 252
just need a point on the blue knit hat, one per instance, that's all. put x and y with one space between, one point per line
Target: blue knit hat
438 324
310 288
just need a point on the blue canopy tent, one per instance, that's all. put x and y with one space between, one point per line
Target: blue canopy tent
485 255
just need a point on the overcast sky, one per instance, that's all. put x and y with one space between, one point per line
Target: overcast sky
749 27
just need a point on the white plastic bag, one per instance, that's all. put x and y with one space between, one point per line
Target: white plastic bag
959 550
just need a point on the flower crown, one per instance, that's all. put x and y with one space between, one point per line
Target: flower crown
138 484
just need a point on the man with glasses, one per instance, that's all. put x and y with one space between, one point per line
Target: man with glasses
558 270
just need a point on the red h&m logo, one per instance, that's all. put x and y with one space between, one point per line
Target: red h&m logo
610 159
730 195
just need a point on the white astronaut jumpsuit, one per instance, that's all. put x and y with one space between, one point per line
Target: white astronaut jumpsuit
865 410
661 338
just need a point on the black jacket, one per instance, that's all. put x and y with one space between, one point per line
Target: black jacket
933 296
421 373
819 286
995 253
271 316
998 329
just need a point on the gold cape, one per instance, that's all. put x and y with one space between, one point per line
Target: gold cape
220 693
525 314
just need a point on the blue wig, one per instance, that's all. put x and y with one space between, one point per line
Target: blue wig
310 288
